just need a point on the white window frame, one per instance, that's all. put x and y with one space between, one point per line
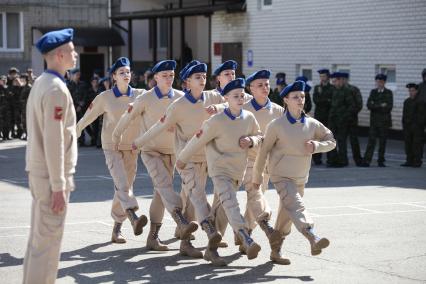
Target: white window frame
21 35
264 7
301 67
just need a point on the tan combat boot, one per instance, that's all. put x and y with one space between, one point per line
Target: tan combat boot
251 248
137 222
214 236
186 249
185 227
317 243
213 256
274 236
177 234
117 237
276 255
153 241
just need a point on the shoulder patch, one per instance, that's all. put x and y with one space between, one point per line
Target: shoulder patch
199 133
58 113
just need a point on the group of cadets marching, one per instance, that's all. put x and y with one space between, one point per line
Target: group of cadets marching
235 138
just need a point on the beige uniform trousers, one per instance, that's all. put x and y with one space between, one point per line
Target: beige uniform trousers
122 166
194 178
226 189
160 168
188 210
291 208
44 243
257 207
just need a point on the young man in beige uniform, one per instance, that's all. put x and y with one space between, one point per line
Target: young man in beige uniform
51 156
290 142
120 158
158 155
186 115
227 137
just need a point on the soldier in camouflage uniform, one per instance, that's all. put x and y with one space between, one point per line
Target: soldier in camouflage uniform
380 104
413 117
16 89
23 101
322 98
343 107
3 90
353 128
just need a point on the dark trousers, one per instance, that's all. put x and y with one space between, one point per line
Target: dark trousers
353 138
414 141
376 132
339 155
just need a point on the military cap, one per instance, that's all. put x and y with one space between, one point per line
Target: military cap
293 87
13 70
323 71
199 68
344 75
381 76
412 85
122 61
164 65
227 65
187 66
238 83
280 75
337 75
280 81
53 39
74 70
262 74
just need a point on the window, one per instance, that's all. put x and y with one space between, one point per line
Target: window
389 70
11 32
265 4
304 70
162 33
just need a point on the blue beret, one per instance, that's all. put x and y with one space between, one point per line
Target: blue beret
227 65
262 74
238 83
381 77
199 68
122 61
324 71
164 66
337 75
295 86
74 70
301 78
345 75
53 39
184 69
280 81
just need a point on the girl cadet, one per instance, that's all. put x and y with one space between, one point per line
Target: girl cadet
158 154
290 142
186 115
120 158
227 137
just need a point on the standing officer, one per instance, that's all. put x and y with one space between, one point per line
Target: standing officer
413 117
25 92
51 156
422 87
353 127
3 106
322 98
380 103
342 108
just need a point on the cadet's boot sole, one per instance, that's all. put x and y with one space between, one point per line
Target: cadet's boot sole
215 240
190 228
215 262
321 244
252 251
153 245
118 240
140 223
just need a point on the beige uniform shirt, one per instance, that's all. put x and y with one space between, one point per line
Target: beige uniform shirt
185 114
150 108
112 107
52 142
221 135
285 143
264 115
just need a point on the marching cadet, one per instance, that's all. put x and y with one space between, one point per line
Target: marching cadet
413 117
158 154
380 104
342 108
308 101
120 158
51 156
323 92
290 142
227 136
353 126
186 115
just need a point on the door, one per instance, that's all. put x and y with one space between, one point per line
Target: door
234 51
90 62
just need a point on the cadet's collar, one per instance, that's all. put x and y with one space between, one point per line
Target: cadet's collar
292 120
257 106
160 95
118 94
53 72
228 112
191 98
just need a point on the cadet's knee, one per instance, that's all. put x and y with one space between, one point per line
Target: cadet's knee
228 199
